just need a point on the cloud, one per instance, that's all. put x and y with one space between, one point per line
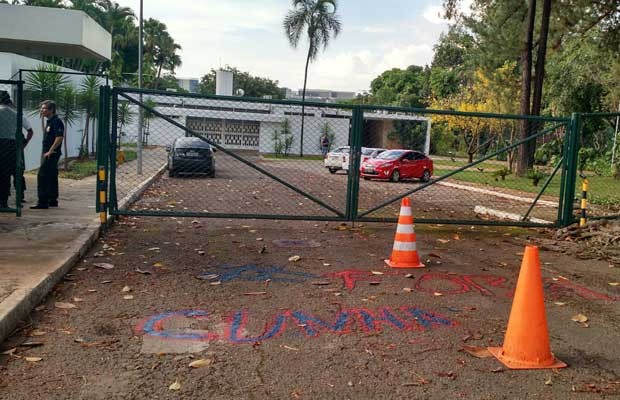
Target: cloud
378 29
434 14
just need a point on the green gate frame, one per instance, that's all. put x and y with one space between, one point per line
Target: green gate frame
106 160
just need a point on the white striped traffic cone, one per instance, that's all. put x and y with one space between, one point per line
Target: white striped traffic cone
405 252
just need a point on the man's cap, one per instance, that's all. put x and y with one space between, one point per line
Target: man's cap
5 97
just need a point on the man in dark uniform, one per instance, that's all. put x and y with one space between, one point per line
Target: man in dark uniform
47 178
8 147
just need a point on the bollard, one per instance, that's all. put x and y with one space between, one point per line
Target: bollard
584 202
102 195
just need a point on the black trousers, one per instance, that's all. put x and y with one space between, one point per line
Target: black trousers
47 180
8 164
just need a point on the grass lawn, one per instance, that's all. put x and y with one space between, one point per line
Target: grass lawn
83 169
603 190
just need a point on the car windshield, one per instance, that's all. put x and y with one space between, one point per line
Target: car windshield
390 155
367 152
341 150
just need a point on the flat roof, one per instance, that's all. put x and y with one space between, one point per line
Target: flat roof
43 31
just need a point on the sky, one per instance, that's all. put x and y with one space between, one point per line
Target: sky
248 34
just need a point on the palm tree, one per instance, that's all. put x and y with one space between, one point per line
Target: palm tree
320 21
68 111
147 116
43 84
88 99
125 117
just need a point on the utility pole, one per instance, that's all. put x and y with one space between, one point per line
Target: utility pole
140 116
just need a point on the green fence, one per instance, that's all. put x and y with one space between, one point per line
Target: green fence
598 164
187 155
11 147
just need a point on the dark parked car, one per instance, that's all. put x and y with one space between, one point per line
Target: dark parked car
190 155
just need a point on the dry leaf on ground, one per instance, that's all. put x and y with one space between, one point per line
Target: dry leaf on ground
175 386
479 352
33 359
294 258
104 265
64 306
580 318
200 363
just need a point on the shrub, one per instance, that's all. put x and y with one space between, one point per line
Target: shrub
535 175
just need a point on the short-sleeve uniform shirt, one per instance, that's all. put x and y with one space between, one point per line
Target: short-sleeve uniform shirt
53 129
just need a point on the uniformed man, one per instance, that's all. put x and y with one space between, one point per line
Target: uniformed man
8 147
47 178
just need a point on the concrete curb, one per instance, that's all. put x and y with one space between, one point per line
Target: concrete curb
21 302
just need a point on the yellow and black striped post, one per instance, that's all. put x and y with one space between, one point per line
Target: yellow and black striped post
584 202
102 195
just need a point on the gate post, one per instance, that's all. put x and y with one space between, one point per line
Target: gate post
353 183
103 146
569 178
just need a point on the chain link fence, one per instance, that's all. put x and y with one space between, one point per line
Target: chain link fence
11 147
598 166
190 155
464 168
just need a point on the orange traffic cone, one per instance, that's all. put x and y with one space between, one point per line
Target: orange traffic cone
405 252
526 344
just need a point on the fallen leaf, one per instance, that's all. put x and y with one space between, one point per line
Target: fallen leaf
456 237
443 241
104 265
31 344
175 386
498 369
322 283
479 352
407 289
64 306
200 363
326 264
104 282
377 273
548 381
437 294
128 297
559 303
201 252
78 299
154 249
434 255
259 239
580 318
614 283
254 293
126 289
38 333
294 258
215 283
143 272
9 352
158 264
33 359
409 276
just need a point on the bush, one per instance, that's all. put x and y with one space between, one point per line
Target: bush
535 175
501 173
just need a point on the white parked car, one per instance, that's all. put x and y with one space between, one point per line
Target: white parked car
367 154
335 159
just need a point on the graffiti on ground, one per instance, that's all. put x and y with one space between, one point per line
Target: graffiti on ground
255 273
347 321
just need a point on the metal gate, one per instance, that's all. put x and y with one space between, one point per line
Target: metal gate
187 155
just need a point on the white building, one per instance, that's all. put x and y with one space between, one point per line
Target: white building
59 32
320 95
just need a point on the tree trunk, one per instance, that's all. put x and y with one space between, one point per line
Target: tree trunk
539 78
303 102
93 136
84 141
526 86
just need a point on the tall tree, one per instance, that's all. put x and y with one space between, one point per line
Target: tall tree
319 20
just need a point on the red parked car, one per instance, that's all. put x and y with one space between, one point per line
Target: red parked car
395 165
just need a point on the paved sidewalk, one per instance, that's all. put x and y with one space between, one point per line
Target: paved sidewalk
38 249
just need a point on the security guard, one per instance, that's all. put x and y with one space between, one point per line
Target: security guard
8 147
47 178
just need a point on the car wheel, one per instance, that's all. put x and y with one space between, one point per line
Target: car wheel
332 170
211 174
426 176
171 173
395 176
